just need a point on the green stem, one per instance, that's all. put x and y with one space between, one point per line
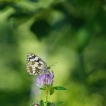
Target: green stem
46 97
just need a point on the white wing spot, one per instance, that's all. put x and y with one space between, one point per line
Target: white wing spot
41 62
36 58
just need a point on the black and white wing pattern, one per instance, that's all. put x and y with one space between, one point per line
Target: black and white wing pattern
35 65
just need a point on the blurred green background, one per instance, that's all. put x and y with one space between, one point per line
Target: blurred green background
69 32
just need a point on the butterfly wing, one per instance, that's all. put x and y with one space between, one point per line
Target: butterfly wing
34 64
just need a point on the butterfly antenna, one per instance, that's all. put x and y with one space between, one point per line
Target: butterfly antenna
53 64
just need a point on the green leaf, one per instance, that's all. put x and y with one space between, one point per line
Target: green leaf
51 90
48 103
59 88
41 103
58 103
42 88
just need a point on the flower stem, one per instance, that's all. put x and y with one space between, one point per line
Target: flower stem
46 97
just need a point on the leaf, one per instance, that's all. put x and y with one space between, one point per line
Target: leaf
58 103
41 103
59 88
48 103
51 90
42 88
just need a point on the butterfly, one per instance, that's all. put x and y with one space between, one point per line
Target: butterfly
35 65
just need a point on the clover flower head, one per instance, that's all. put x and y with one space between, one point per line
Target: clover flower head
45 79
36 104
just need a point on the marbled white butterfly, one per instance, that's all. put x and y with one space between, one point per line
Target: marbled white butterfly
35 65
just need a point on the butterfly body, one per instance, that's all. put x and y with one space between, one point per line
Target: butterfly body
35 65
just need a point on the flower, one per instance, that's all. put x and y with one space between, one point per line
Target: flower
35 104
45 79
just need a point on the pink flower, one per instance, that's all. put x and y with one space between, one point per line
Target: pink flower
35 104
45 79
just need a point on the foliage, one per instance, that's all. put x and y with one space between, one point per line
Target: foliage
70 32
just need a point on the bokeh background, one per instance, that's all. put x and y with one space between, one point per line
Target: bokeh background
69 32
